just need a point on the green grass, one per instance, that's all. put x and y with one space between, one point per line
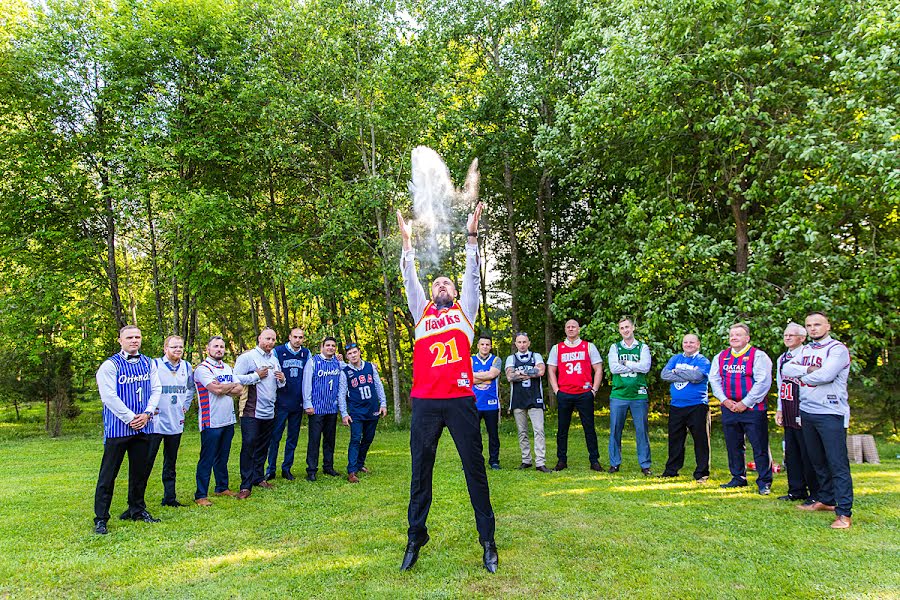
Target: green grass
571 534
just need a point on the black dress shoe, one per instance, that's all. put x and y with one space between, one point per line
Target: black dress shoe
125 516
560 466
100 528
287 475
668 475
543 469
310 476
271 476
172 503
597 467
792 498
613 469
145 517
490 556
412 554
735 483
331 472
647 472
525 466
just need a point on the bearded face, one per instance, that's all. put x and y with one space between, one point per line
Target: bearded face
443 292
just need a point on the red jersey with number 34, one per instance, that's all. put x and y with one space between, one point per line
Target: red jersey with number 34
573 372
441 364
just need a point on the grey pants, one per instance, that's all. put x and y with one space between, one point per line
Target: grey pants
537 424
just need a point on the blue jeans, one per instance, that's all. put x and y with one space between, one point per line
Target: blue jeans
618 412
215 446
826 443
361 435
293 420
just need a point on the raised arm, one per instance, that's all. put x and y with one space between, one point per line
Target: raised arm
470 295
415 295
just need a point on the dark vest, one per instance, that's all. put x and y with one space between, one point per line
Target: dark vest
789 394
529 393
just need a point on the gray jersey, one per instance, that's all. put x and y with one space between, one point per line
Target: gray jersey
824 391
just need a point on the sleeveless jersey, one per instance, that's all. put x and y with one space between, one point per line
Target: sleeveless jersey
629 386
441 364
325 384
528 393
789 394
132 388
362 400
737 375
574 373
177 394
487 398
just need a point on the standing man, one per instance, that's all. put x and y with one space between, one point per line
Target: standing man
177 379
361 406
688 374
323 385
524 370
629 363
740 377
217 385
801 476
129 390
442 394
575 373
257 408
288 403
486 370
823 366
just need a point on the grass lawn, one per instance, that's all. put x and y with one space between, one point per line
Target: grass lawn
572 534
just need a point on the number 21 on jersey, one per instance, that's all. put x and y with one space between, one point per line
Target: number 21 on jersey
446 353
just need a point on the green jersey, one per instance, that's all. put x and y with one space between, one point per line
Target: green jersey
629 386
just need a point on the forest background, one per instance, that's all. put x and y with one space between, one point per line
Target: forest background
211 167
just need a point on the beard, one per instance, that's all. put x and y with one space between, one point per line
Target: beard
443 300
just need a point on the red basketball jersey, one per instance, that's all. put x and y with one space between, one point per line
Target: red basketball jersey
573 372
441 364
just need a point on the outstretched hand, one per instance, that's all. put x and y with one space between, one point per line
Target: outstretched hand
405 231
474 218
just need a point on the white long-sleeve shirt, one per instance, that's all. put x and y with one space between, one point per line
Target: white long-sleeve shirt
620 368
762 380
469 295
824 391
266 388
106 385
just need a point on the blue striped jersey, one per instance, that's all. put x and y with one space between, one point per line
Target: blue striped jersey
133 389
326 378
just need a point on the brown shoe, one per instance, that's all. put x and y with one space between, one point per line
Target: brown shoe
229 493
203 502
816 506
352 478
265 484
365 470
243 494
842 522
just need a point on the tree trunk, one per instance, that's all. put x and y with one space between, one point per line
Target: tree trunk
154 269
110 266
279 324
513 245
392 323
267 308
485 317
254 314
741 235
284 309
543 201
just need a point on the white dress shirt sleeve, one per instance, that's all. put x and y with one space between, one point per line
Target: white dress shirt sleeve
106 385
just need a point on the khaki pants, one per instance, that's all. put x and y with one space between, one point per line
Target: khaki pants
537 424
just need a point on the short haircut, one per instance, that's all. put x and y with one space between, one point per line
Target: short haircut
625 318
265 329
817 312
300 329
743 326
693 334
519 334
126 328
170 338
485 336
329 338
795 328
214 338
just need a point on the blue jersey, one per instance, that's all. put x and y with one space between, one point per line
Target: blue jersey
132 388
362 399
486 395
326 378
685 393
290 397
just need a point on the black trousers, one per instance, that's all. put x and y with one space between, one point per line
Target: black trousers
754 425
429 417
114 449
322 429
255 437
170 443
584 404
826 443
491 420
801 475
684 420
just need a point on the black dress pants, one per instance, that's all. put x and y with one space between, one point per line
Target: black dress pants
801 475
322 429
170 444
460 416
584 404
684 420
114 449
255 437
491 420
